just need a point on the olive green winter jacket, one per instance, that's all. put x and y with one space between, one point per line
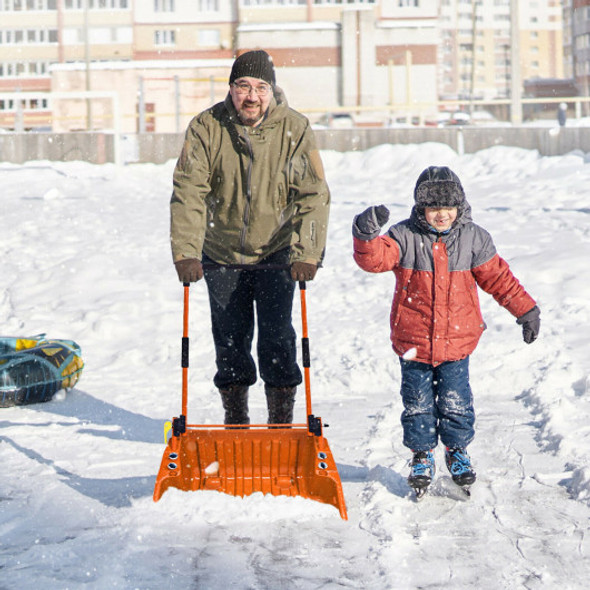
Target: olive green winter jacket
242 193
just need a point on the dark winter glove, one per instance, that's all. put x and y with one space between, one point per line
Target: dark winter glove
303 271
367 226
531 324
190 270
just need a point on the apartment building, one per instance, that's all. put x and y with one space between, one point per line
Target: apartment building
103 46
184 29
169 59
35 34
358 53
476 45
577 43
178 65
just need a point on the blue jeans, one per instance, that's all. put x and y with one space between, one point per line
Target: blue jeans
438 403
234 297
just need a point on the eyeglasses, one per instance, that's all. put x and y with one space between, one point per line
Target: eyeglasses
244 88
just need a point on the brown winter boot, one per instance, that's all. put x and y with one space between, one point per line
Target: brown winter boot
280 402
235 403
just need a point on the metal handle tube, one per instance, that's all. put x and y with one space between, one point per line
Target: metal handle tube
305 348
185 350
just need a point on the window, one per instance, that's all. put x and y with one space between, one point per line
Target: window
213 5
124 34
164 6
108 4
7 105
21 5
28 36
294 2
33 69
73 35
209 38
164 37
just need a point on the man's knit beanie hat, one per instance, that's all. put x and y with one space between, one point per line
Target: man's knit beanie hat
438 186
254 64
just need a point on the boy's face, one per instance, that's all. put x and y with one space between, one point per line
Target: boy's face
440 218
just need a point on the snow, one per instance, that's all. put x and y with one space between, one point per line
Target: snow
85 256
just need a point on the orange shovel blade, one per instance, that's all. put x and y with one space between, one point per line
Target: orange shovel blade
240 462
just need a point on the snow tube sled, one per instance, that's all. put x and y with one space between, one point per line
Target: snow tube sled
33 369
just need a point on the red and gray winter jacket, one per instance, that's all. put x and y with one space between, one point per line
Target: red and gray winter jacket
435 306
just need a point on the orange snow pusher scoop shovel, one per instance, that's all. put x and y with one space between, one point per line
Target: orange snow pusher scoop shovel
282 460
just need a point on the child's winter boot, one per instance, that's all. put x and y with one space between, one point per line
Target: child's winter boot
459 465
422 469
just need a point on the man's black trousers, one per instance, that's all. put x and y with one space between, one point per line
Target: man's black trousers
236 298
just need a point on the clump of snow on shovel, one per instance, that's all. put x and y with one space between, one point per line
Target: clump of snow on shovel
213 468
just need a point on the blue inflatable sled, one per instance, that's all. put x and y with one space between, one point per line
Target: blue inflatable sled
33 370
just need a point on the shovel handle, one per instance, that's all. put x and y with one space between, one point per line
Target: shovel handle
185 349
314 424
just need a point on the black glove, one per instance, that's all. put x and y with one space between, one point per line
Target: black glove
303 271
190 270
367 226
531 324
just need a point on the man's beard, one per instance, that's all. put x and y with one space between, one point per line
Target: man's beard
247 118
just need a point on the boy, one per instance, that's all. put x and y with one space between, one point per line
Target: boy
439 257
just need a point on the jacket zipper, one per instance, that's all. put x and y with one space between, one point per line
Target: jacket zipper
246 217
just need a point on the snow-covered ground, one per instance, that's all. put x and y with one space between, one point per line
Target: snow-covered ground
85 256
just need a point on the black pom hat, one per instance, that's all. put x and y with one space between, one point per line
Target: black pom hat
254 64
438 186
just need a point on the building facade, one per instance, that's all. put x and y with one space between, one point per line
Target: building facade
577 26
357 54
475 52
169 59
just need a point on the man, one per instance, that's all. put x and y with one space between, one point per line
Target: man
249 190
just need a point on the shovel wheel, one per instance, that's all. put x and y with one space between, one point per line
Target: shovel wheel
241 461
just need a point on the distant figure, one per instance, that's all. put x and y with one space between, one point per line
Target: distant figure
562 114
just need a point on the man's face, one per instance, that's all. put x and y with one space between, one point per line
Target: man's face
251 97
440 218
